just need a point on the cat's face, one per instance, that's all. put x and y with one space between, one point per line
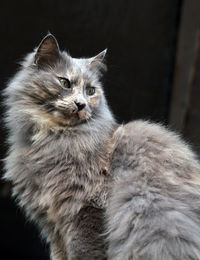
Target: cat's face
60 90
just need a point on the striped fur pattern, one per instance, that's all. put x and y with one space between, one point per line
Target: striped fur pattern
95 189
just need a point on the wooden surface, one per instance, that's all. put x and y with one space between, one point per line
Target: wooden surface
185 62
185 101
191 128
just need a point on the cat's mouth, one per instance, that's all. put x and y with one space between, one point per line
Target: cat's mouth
71 111
83 115
72 119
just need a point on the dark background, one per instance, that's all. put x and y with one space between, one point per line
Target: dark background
142 40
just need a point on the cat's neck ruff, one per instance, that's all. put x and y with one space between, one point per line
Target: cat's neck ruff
86 137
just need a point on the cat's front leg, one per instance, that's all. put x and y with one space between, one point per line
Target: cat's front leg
57 248
84 239
56 253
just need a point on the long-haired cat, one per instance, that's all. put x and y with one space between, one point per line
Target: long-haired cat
97 190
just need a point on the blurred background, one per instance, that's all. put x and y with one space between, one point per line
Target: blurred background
153 72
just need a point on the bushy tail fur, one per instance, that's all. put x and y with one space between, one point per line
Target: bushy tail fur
154 206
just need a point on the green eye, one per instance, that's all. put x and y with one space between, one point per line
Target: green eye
65 83
90 91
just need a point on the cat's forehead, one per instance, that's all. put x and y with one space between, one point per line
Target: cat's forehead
76 69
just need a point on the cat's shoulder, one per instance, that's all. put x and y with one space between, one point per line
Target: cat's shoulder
143 134
144 129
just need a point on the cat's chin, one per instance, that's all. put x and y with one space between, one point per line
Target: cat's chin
77 123
74 120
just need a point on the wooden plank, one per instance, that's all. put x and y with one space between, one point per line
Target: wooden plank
191 129
190 22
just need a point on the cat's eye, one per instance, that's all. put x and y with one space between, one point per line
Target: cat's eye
65 83
90 91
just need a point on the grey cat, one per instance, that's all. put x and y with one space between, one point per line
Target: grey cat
97 190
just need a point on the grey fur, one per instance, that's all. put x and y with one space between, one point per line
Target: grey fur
97 190
58 164
154 205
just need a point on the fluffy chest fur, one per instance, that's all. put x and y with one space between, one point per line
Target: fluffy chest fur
58 176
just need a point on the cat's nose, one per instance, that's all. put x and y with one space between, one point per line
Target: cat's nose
80 105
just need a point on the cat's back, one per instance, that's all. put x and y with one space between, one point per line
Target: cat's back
154 205
153 145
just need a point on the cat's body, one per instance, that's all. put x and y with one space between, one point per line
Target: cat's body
61 190
154 205
96 190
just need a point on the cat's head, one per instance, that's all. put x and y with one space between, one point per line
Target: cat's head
56 90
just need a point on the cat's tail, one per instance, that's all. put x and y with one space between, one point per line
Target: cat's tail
154 206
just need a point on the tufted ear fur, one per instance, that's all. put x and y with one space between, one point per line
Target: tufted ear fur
48 51
97 62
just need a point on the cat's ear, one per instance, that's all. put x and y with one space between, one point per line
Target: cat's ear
48 51
99 57
98 61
